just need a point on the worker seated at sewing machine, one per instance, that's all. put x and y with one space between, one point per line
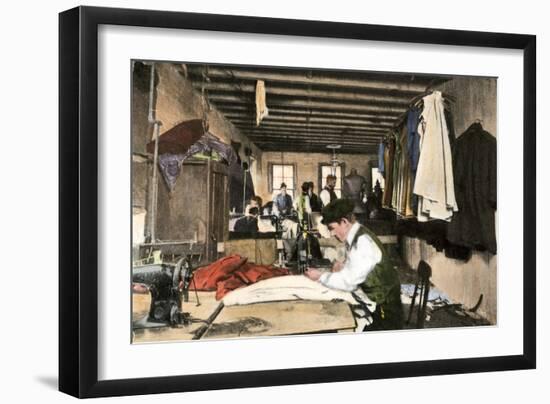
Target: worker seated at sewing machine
254 202
248 223
253 222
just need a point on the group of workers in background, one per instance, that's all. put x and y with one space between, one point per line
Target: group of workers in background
283 205
307 201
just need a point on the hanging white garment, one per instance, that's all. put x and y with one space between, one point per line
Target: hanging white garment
434 182
261 105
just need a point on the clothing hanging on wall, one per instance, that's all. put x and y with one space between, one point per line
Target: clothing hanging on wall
400 154
381 165
408 179
396 172
475 170
389 153
454 180
434 183
433 233
449 119
405 208
402 176
413 118
261 105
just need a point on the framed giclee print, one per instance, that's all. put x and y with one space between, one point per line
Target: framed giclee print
252 201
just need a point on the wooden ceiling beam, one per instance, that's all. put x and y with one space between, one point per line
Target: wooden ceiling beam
312 148
318 131
326 138
294 102
313 119
311 77
342 127
356 96
298 139
249 111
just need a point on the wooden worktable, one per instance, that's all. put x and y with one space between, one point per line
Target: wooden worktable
281 318
259 319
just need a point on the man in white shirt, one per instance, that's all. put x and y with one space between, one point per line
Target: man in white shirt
367 267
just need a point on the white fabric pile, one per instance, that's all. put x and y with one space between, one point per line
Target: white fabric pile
284 288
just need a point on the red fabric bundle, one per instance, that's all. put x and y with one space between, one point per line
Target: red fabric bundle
207 278
230 273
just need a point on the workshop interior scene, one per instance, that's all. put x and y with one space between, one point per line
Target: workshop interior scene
272 201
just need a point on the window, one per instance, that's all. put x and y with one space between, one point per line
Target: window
377 176
282 173
326 169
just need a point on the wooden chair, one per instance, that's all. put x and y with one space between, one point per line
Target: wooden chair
422 289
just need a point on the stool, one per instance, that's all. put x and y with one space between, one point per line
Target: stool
421 288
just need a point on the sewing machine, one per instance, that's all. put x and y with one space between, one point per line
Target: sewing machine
168 285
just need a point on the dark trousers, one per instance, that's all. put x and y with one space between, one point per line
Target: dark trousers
386 317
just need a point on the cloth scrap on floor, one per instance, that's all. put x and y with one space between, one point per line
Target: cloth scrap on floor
436 298
407 289
230 273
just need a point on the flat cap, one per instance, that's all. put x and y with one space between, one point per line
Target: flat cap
337 210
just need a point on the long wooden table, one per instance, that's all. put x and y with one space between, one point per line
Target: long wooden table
213 321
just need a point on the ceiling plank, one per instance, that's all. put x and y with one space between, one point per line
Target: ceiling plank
297 145
288 138
307 132
289 102
336 125
259 130
334 78
249 89
275 110
317 149
327 139
307 119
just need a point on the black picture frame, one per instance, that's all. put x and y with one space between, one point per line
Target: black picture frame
78 196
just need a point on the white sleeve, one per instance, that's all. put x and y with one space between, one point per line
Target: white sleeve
325 197
307 205
361 260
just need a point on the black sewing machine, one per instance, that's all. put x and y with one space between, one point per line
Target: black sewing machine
169 286
307 251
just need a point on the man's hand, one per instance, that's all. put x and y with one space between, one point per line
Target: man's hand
337 267
313 274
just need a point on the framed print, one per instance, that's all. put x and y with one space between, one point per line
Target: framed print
251 202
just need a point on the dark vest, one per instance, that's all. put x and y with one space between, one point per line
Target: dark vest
315 203
333 195
382 284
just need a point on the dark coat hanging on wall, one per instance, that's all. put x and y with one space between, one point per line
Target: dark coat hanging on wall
475 179
389 155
